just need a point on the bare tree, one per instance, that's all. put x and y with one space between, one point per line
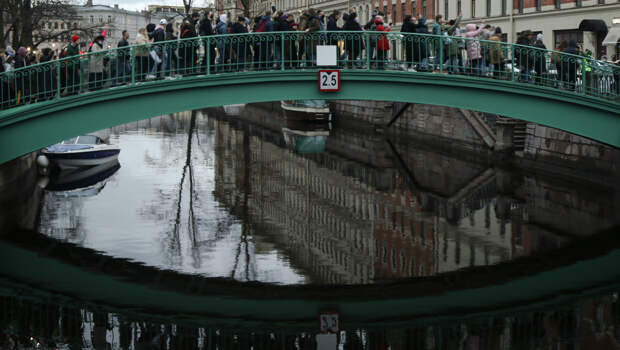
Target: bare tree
187 4
25 22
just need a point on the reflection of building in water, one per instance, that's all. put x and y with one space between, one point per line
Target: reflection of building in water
320 215
61 217
352 221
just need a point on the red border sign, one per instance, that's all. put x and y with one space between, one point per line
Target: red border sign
329 316
323 89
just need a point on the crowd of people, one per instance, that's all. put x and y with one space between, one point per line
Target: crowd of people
164 52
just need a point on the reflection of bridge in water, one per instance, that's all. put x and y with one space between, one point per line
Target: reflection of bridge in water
362 221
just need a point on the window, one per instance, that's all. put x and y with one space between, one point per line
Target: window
404 9
558 4
446 5
560 36
538 5
520 4
49 25
75 25
473 8
488 8
62 25
504 7
109 19
601 2
459 8
423 8
100 19
578 3
55 25
413 8
92 19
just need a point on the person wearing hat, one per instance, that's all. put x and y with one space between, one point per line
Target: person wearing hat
540 61
70 72
158 53
383 43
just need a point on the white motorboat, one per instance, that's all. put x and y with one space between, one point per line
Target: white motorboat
81 151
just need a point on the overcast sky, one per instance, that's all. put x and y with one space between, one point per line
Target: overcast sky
137 5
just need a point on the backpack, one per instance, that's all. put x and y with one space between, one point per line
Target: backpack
261 26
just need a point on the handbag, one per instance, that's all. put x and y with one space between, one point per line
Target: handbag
155 57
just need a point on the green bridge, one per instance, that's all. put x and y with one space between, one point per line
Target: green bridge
45 103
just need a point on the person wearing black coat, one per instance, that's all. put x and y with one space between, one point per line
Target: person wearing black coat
411 41
187 48
523 56
332 26
424 47
354 43
570 64
46 76
205 28
240 43
540 61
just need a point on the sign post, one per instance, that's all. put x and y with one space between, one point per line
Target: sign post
329 79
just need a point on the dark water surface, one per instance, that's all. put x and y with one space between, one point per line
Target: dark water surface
154 251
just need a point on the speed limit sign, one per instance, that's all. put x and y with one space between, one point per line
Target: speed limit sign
329 80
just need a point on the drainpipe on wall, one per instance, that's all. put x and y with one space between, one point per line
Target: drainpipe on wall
512 21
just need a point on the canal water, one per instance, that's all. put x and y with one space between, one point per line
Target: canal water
209 202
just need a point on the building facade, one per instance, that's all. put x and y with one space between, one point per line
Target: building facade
95 19
557 20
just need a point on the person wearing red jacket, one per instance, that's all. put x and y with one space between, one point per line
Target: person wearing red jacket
383 44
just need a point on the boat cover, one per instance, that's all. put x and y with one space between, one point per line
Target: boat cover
61 148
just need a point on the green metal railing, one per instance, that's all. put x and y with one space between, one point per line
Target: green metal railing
292 51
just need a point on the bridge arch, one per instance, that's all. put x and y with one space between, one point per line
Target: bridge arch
27 128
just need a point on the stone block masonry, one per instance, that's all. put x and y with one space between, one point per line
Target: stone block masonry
558 148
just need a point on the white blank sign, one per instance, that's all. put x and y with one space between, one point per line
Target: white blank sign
326 55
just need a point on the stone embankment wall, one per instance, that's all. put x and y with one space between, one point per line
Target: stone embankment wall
19 195
556 148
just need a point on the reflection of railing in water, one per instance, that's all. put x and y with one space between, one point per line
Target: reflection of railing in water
590 322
